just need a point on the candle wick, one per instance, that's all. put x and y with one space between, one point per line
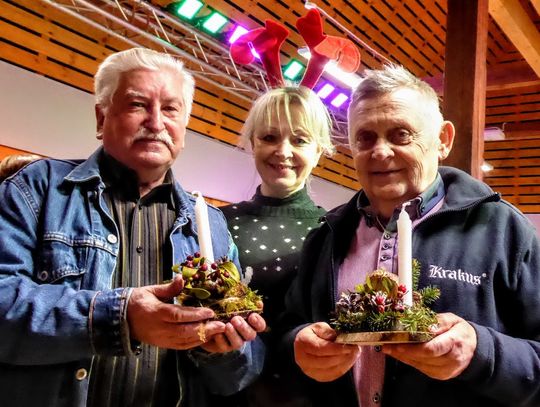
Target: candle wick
405 204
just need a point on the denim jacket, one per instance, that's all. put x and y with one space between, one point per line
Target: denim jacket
58 250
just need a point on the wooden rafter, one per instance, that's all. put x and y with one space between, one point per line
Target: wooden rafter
518 27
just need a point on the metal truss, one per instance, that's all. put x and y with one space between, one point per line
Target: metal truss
142 24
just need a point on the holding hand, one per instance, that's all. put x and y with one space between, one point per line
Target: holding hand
237 332
446 355
153 321
319 356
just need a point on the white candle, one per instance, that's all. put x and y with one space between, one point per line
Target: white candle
404 227
203 227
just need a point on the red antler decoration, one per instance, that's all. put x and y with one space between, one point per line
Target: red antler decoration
267 42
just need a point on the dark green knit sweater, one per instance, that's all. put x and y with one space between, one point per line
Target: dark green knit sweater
269 233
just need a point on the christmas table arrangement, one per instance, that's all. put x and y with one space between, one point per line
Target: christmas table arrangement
375 312
386 308
214 284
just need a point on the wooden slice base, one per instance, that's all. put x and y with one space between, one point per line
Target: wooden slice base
384 337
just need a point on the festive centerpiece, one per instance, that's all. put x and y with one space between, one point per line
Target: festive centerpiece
376 312
216 285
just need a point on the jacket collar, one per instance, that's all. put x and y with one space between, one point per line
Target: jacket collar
88 173
462 191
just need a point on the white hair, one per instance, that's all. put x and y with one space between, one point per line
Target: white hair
108 74
389 79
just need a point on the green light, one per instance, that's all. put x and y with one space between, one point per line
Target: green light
215 22
293 70
186 9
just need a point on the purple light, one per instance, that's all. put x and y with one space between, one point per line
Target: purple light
254 51
237 33
325 91
339 100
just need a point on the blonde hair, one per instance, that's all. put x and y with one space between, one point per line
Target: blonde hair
10 164
314 116
108 74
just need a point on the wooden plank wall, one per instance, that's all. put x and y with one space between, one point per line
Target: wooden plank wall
516 173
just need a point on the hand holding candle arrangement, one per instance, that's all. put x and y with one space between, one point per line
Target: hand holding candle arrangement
214 284
386 308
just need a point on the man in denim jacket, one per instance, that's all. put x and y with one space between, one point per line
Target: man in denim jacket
85 315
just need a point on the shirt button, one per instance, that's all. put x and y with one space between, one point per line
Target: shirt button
43 275
376 398
387 236
378 348
139 249
112 239
384 257
81 374
386 246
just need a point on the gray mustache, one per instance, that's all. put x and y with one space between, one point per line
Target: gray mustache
163 136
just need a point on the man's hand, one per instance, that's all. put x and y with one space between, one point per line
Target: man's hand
237 332
446 355
319 356
153 321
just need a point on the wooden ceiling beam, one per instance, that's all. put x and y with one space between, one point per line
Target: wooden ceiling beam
536 4
511 17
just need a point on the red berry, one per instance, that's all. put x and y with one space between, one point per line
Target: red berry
226 274
203 267
197 254
402 288
201 275
214 266
190 257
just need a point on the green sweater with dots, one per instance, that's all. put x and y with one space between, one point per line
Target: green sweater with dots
269 233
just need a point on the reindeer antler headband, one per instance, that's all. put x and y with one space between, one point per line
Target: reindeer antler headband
268 40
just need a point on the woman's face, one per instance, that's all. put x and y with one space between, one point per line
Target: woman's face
284 155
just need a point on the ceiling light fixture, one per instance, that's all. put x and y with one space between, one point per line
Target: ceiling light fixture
186 9
214 22
237 33
325 90
293 70
339 100
486 167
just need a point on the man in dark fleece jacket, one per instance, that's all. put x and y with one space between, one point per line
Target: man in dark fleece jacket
479 250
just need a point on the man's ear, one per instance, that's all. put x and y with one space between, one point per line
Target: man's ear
100 119
446 139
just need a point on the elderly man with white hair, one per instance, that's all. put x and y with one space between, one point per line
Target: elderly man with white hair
87 249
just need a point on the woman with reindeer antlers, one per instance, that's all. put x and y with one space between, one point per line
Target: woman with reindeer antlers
287 129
